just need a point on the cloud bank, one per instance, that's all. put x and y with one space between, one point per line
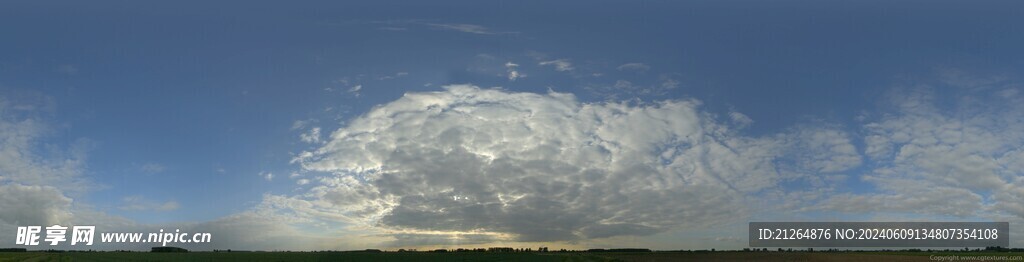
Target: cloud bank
468 165
546 167
959 157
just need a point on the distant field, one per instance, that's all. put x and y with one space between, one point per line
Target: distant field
791 256
409 257
287 256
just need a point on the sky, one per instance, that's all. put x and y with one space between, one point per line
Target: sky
321 125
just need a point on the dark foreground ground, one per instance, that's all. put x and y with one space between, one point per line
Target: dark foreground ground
409 257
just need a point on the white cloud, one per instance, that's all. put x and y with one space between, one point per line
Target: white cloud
312 136
343 81
299 124
355 88
36 205
823 149
465 28
668 83
633 67
559 64
396 75
941 159
35 187
626 89
19 162
476 160
513 74
479 165
740 119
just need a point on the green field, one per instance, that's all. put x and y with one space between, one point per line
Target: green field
470 256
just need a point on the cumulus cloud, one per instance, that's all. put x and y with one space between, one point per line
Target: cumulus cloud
34 189
822 149
312 136
559 64
41 205
956 160
513 74
19 132
467 165
469 160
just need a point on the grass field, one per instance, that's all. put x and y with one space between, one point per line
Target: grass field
409 257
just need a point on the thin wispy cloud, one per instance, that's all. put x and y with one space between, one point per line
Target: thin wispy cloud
633 67
559 64
393 76
409 24
466 28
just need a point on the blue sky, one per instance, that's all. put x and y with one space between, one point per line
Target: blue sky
177 111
